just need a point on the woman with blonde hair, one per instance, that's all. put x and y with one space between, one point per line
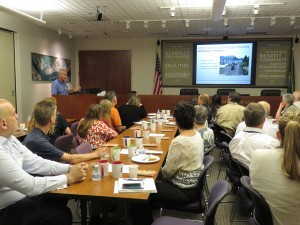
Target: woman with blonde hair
106 106
91 129
275 173
132 112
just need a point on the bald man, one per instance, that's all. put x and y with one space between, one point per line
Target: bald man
269 127
20 193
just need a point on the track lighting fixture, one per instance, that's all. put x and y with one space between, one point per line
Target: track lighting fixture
98 14
146 24
187 23
273 21
127 25
225 22
224 11
252 22
163 23
70 35
172 11
59 31
255 9
292 20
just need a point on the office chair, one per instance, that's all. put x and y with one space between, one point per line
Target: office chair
64 143
262 214
84 148
270 93
189 91
217 194
199 205
224 91
74 127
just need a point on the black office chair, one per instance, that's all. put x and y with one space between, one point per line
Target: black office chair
224 91
270 93
189 91
262 214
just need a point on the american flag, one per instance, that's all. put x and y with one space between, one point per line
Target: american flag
157 78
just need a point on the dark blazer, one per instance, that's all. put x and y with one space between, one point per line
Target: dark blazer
131 113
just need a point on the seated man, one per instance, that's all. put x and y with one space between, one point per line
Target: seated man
38 142
287 104
253 136
231 114
20 193
204 100
296 95
270 127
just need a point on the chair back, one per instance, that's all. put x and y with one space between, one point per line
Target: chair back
216 195
64 142
270 92
75 142
210 149
189 91
207 162
74 127
262 213
224 91
244 169
84 148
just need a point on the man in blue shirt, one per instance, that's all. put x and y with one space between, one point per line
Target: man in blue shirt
59 86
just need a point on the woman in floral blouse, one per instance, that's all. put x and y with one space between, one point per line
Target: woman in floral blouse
91 129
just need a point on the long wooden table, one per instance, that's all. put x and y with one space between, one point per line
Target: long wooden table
104 189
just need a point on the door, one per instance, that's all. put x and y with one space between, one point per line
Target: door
7 65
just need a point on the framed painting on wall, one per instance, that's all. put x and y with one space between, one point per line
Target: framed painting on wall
46 67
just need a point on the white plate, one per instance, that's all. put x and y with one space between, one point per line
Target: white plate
145 158
151 114
172 123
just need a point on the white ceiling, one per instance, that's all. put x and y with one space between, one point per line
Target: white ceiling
78 17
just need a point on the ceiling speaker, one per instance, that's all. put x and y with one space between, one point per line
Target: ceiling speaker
99 16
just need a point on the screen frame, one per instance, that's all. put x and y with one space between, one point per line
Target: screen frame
253 65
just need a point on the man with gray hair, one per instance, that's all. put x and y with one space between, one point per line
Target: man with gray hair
269 127
253 136
285 105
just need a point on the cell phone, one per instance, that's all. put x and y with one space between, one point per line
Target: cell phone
133 186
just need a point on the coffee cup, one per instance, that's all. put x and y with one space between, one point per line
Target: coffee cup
137 133
158 139
131 150
159 123
115 153
144 125
165 117
117 167
104 167
168 112
163 111
139 142
153 127
133 170
22 126
146 133
126 141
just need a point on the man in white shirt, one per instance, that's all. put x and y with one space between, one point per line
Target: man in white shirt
270 127
253 136
21 202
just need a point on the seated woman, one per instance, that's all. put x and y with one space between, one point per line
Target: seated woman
91 129
132 112
179 176
216 103
275 173
61 126
106 106
206 133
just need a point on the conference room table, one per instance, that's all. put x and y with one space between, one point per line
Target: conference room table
103 190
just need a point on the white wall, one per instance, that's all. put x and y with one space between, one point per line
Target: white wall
143 52
34 38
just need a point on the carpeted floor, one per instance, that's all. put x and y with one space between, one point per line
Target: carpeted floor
223 212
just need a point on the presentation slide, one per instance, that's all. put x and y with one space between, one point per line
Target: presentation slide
228 63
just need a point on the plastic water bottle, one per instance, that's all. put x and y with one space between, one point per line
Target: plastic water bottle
96 175
158 114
